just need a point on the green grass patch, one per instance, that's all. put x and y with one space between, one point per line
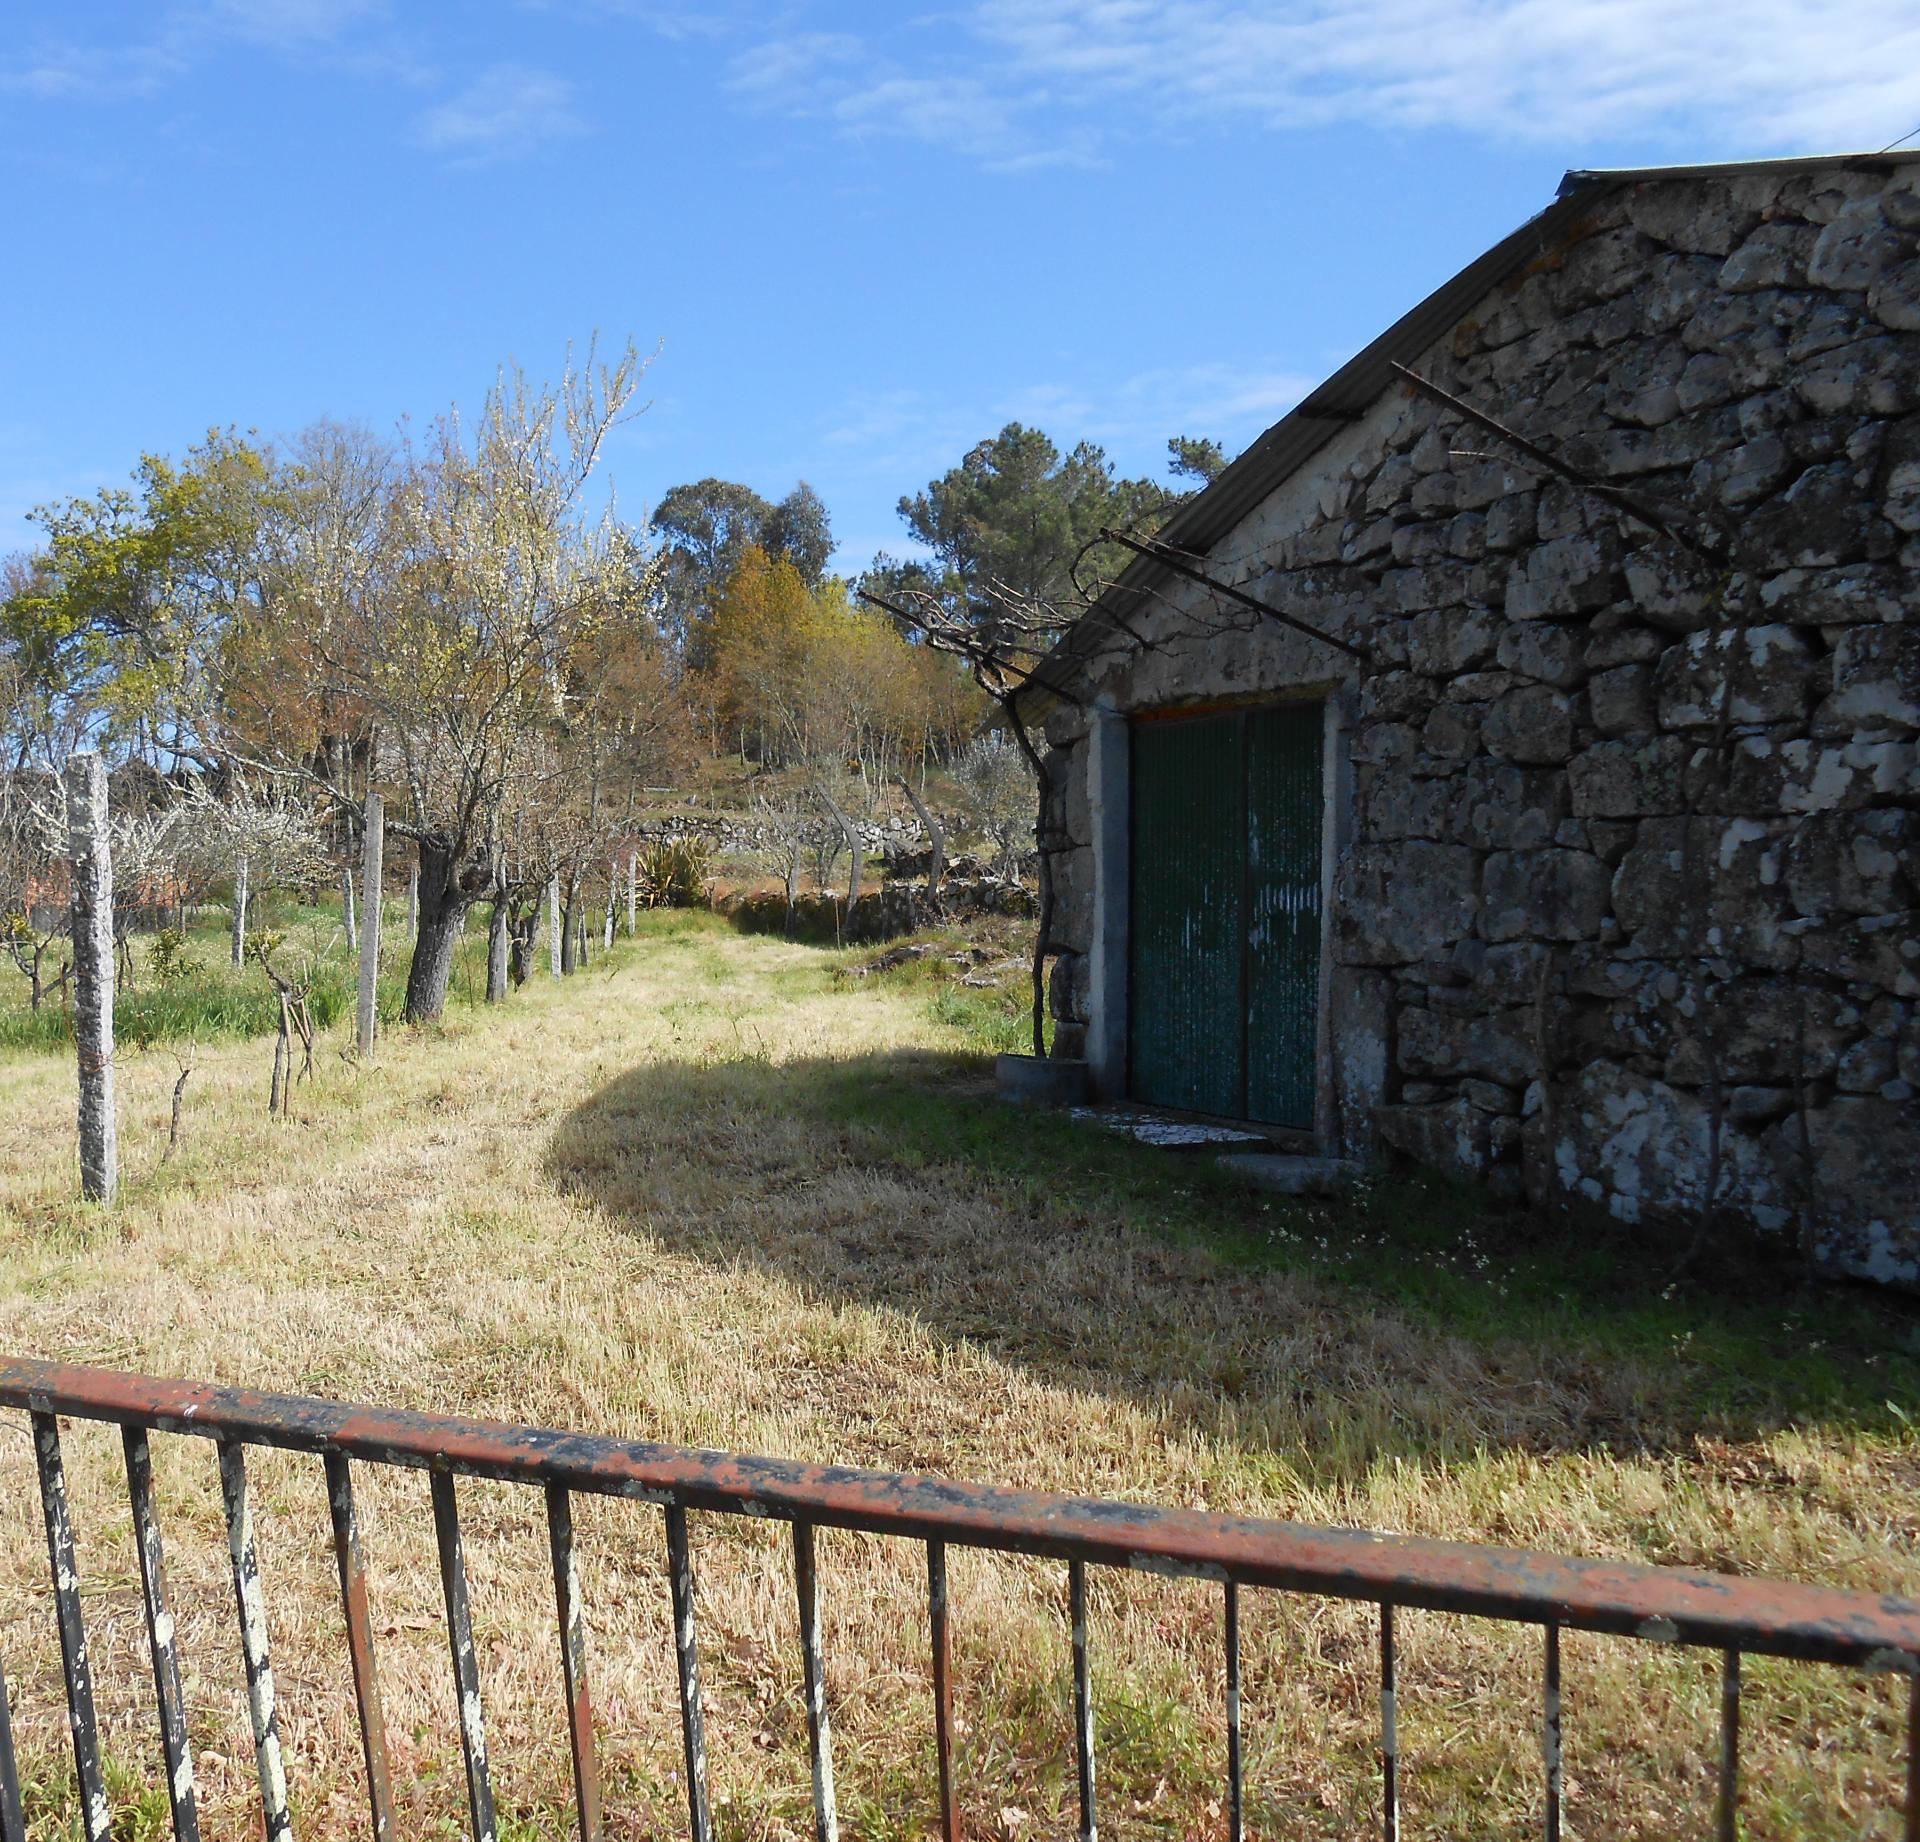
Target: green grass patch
212 1000
1725 1346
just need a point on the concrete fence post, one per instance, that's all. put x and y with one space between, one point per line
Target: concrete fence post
553 924
372 849
240 872
90 852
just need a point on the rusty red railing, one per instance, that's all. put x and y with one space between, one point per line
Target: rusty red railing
1656 1604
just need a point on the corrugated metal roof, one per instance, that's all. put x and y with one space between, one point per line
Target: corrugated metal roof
1732 169
1352 390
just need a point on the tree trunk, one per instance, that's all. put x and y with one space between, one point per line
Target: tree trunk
282 1055
87 847
856 857
347 917
173 1122
1044 927
413 901
372 846
633 893
556 949
497 940
936 836
1043 930
443 903
606 936
240 913
522 930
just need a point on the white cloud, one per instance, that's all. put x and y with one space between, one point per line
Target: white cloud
671 19
963 114
504 111
88 73
908 434
1140 412
1760 72
290 24
783 70
1012 83
340 34
837 77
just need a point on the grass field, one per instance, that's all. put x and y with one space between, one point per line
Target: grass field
718 1191
209 999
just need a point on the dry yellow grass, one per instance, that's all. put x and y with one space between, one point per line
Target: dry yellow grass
675 1199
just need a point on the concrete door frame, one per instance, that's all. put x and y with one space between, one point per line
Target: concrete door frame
1109 802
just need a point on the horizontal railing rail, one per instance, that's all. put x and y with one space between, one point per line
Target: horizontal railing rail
1734 1615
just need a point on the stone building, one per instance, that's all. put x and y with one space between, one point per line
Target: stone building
1553 818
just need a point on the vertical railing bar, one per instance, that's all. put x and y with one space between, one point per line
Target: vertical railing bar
1389 1731
573 1660
942 1638
1913 1758
167 1693
466 1667
686 1644
250 1600
1082 1696
359 1622
1550 1731
1730 1747
73 1631
826 1818
13 1823
1236 1800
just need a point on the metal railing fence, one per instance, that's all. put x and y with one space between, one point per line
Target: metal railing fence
1735 1616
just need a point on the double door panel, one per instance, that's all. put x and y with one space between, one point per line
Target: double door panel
1226 910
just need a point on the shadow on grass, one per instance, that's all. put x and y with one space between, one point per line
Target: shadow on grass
1407 1316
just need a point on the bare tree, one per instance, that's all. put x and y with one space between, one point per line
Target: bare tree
292 972
996 788
1002 649
427 606
936 835
33 888
784 828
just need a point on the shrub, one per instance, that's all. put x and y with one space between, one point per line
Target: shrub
676 873
168 959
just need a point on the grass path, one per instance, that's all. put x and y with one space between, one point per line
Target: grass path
710 1193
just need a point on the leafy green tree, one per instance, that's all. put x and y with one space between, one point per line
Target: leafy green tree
703 528
1193 457
799 530
1018 521
706 528
122 619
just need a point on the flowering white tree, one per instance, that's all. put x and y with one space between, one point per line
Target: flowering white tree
425 618
995 785
33 897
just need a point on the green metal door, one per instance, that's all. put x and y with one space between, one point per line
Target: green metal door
1283 911
1225 927
1187 872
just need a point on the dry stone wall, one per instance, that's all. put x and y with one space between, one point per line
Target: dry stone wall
1628 906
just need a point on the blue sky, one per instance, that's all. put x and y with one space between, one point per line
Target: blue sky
863 236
